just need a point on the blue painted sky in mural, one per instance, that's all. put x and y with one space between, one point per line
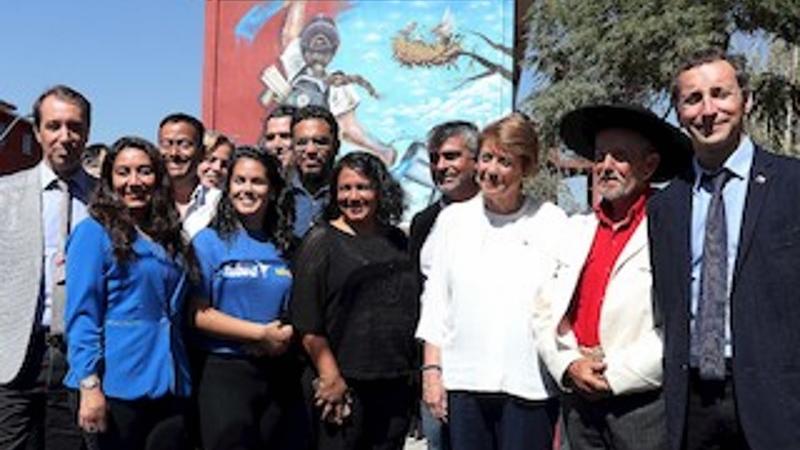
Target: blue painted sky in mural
413 99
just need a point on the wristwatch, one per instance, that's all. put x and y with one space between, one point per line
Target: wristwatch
90 382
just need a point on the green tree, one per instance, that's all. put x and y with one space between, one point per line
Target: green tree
775 119
627 50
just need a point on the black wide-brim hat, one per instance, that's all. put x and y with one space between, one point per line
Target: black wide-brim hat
579 127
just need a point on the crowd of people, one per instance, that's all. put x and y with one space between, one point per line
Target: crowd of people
195 293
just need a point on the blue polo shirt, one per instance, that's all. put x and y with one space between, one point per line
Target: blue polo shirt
245 277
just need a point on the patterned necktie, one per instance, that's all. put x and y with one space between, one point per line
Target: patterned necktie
58 296
710 323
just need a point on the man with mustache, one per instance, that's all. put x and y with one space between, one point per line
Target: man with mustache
725 240
594 321
315 138
40 213
452 150
180 140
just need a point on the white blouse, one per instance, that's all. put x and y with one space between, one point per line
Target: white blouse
484 271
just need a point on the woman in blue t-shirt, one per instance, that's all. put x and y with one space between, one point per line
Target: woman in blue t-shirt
243 391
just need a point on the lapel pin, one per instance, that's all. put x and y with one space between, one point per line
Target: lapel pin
760 179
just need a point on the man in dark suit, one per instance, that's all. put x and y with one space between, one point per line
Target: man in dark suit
452 151
725 248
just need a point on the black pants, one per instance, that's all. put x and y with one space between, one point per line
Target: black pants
251 404
148 424
497 421
712 421
36 410
380 417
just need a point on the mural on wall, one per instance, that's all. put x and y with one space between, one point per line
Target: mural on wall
388 69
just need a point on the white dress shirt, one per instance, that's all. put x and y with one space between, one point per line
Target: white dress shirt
202 208
80 185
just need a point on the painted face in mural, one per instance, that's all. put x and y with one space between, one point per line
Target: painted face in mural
318 60
319 41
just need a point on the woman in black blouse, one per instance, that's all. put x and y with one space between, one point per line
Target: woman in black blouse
355 307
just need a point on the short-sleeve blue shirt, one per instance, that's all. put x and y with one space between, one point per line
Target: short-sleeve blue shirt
244 277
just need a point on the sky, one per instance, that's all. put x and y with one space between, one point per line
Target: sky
413 99
136 61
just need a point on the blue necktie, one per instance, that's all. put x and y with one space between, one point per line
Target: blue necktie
709 336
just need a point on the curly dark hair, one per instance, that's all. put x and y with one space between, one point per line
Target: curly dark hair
161 221
279 216
390 194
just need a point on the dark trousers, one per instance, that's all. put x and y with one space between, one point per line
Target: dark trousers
36 410
380 417
496 421
625 422
148 424
711 420
251 404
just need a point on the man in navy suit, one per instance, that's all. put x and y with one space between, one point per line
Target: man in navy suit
725 248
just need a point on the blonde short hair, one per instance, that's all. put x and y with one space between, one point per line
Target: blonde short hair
516 134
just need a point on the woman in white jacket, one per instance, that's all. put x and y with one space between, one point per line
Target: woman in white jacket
486 260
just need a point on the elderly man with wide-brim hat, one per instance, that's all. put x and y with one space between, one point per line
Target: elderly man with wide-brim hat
594 322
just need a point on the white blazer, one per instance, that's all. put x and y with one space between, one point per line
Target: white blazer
631 343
